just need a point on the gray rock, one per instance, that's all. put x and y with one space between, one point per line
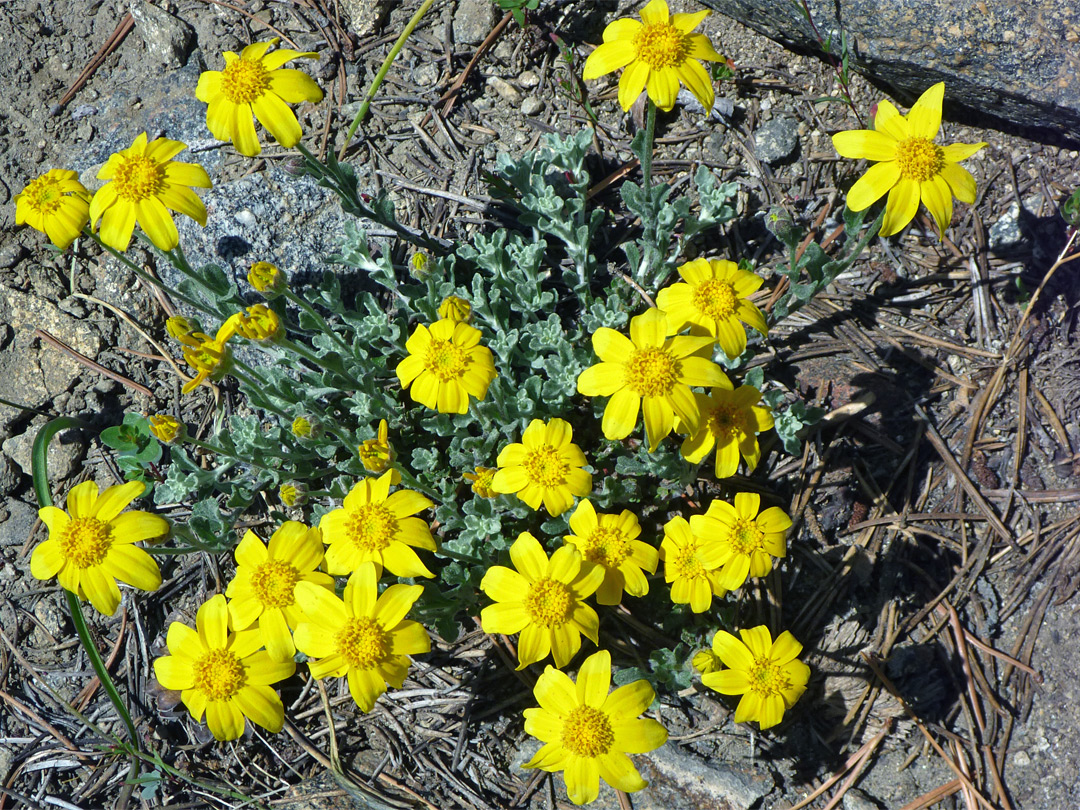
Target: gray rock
855 799
682 781
66 452
777 139
532 106
364 15
473 20
1012 61
10 254
1009 232
16 527
10 475
169 40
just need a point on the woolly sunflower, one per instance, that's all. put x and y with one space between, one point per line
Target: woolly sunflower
544 468
691 565
909 166
730 423
56 204
446 364
610 541
749 540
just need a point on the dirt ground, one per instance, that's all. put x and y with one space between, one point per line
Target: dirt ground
936 539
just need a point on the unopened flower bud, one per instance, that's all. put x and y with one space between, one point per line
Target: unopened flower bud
166 429
455 309
306 427
267 279
293 494
259 323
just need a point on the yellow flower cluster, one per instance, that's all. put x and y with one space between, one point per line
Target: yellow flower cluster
282 600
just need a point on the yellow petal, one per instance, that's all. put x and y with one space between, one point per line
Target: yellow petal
100 589
699 47
174 672
184 201
276 116
869 188
956 152
611 346
394 604
901 207
294 86
156 223
961 182
655 12
46 560
688 22
534 644
621 414
504 617
937 197
82 498
209 85
609 57
633 81
617 770
625 28
505 584
663 87
134 566
261 705
212 621
594 679
242 130
888 120
697 81
601 380
225 720
865 143
924 118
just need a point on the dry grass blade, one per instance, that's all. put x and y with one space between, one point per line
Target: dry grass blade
91 364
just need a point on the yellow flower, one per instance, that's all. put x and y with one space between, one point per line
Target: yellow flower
365 637
649 372
481 481
92 544
453 308
292 494
376 454
544 468
184 330
145 183
418 265
56 204
254 83
166 429
264 587
306 427
730 422
374 526
267 279
766 673
749 540
658 53
610 541
211 359
259 323
224 675
691 565
543 599
706 661
587 732
714 298
910 166
446 364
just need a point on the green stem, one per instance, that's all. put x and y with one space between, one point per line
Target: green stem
413 482
646 172
465 558
384 68
310 310
218 450
149 279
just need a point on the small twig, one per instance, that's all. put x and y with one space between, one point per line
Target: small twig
123 28
86 361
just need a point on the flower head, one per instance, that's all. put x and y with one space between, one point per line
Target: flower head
254 83
364 637
706 661
267 279
375 526
211 359
418 265
224 675
544 468
658 53
909 165
306 427
184 330
481 481
749 540
446 364
56 204
259 323
713 296
648 372
587 732
544 600
690 565
293 494
610 542
145 183
766 673
91 545
453 308
730 422
376 454
264 588
167 429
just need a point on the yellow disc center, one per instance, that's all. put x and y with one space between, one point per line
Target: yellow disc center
86 541
138 178
371 527
768 678
687 564
715 299
606 546
549 602
544 466
652 372
363 643
446 360
587 732
244 81
219 674
919 159
746 537
274 583
661 45
44 195
723 421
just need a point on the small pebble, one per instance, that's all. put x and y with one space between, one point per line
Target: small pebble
531 106
505 89
528 79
